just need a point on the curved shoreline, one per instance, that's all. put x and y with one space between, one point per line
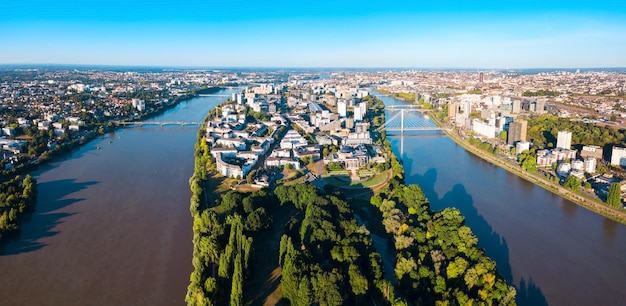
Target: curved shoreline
578 199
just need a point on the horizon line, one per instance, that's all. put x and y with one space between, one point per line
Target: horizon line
303 67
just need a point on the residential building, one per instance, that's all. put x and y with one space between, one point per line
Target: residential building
564 140
517 106
292 140
517 131
590 165
453 108
522 146
358 114
591 151
618 156
342 108
483 129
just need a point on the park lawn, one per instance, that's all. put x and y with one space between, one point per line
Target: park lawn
377 179
247 188
337 172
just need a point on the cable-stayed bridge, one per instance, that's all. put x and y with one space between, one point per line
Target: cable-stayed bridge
159 123
407 118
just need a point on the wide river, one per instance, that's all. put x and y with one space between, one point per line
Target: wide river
112 225
552 250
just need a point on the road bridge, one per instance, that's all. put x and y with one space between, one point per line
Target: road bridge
159 123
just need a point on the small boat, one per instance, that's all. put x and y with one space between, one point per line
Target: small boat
97 148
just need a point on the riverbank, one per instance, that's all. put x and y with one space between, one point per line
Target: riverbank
62 149
579 199
148 251
593 205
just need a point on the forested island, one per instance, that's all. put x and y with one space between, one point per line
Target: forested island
297 244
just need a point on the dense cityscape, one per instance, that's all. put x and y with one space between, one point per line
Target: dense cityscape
43 107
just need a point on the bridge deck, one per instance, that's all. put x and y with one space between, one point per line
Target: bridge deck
161 123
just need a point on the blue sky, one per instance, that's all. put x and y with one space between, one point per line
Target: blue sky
236 33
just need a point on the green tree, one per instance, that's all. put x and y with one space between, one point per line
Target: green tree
503 135
528 161
358 282
572 183
614 199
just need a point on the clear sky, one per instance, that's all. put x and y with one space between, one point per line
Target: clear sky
321 33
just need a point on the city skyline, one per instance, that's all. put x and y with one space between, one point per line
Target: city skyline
484 34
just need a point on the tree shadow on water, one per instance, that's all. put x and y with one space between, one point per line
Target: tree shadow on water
529 294
487 238
42 222
495 245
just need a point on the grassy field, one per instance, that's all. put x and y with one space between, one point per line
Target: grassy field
338 182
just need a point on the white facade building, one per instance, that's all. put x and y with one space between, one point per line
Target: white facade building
578 165
522 146
342 108
590 165
618 156
483 129
564 140
358 114
292 140
139 105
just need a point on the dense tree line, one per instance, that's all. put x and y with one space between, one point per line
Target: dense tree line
543 131
476 142
438 261
541 93
223 245
223 231
327 258
17 196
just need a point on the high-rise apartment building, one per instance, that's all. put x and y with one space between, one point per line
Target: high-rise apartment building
517 131
517 106
453 108
342 108
358 114
618 156
564 140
